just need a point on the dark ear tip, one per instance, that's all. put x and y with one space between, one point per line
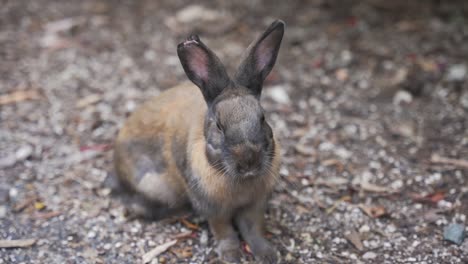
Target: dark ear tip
191 40
278 24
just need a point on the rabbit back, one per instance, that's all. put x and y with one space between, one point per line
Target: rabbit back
150 152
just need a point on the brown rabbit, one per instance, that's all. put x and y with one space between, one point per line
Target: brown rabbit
211 151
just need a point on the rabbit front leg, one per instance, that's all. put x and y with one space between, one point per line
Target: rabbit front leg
226 237
250 223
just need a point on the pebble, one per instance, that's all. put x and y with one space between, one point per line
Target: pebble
278 93
191 16
91 234
23 152
456 72
13 193
7 161
204 238
369 255
364 229
3 211
464 100
455 233
402 97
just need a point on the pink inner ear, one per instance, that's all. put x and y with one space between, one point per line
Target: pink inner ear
198 63
263 55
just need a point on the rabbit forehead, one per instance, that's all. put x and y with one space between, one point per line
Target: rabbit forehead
238 109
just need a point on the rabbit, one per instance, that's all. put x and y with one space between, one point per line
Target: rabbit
207 146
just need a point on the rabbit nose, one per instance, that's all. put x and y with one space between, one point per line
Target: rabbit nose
249 161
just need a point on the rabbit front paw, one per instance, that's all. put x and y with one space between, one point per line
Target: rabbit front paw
229 251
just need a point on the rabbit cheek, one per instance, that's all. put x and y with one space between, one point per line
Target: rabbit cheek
213 154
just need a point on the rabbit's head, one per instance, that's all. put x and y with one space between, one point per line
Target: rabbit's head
239 141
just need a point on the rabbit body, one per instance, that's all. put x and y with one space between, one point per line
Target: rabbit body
168 132
211 151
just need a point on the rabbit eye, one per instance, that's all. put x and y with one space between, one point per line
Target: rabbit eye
262 119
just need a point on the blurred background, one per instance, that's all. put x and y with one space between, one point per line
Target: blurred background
369 100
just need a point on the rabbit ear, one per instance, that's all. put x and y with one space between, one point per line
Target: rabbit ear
202 67
260 58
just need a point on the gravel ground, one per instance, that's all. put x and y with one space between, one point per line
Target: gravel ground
369 100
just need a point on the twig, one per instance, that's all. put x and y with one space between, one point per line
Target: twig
19 243
25 203
455 162
47 215
184 235
147 257
19 96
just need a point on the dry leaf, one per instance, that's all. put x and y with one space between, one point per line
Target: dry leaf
19 96
189 225
88 100
39 205
25 203
184 235
433 215
19 243
331 181
373 211
333 162
150 255
455 162
430 198
183 253
47 215
370 187
304 150
335 205
246 248
354 238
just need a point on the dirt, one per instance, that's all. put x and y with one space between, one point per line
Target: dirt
363 96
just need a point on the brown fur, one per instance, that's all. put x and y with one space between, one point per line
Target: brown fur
187 123
174 152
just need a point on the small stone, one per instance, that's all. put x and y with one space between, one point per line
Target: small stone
402 97
130 106
464 247
364 229
23 152
455 233
369 255
3 211
204 238
456 72
199 17
13 193
342 74
7 161
278 93
464 100
91 234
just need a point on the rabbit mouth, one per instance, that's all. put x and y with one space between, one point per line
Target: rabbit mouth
249 174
